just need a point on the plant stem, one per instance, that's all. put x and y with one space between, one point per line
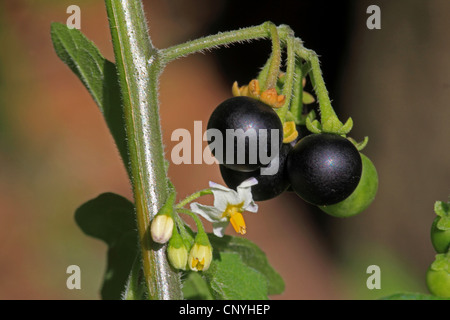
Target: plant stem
214 41
197 220
138 66
297 94
326 110
192 197
275 60
290 72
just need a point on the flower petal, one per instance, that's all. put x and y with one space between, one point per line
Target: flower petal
251 207
212 214
219 228
223 196
214 185
248 183
244 191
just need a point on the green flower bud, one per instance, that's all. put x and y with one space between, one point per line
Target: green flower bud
177 252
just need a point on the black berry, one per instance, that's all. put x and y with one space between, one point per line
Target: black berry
249 120
324 169
269 185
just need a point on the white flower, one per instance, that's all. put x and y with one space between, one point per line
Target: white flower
228 206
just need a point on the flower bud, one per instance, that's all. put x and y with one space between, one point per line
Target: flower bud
200 256
161 229
177 252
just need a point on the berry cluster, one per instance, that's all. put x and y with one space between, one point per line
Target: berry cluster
323 169
438 274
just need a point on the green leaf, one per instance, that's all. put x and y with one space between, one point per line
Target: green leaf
195 287
110 218
97 74
231 279
412 296
253 257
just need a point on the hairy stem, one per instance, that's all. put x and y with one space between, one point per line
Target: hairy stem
215 41
290 72
275 60
326 110
297 94
193 196
196 219
138 66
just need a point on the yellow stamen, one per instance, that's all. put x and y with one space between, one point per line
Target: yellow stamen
238 223
234 213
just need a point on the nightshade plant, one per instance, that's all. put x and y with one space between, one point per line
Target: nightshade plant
172 261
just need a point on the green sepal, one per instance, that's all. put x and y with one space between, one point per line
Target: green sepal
359 145
168 207
202 238
347 127
313 126
308 98
441 262
442 209
176 241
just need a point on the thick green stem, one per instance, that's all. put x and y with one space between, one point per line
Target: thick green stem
138 66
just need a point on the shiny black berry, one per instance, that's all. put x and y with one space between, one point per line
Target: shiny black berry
270 185
243 139
324 169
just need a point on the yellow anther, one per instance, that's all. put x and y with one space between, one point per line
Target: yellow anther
238 223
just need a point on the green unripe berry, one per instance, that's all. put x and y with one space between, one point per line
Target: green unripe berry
440 238
438 276
363 195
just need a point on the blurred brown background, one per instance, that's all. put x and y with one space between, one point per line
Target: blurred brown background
56 152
